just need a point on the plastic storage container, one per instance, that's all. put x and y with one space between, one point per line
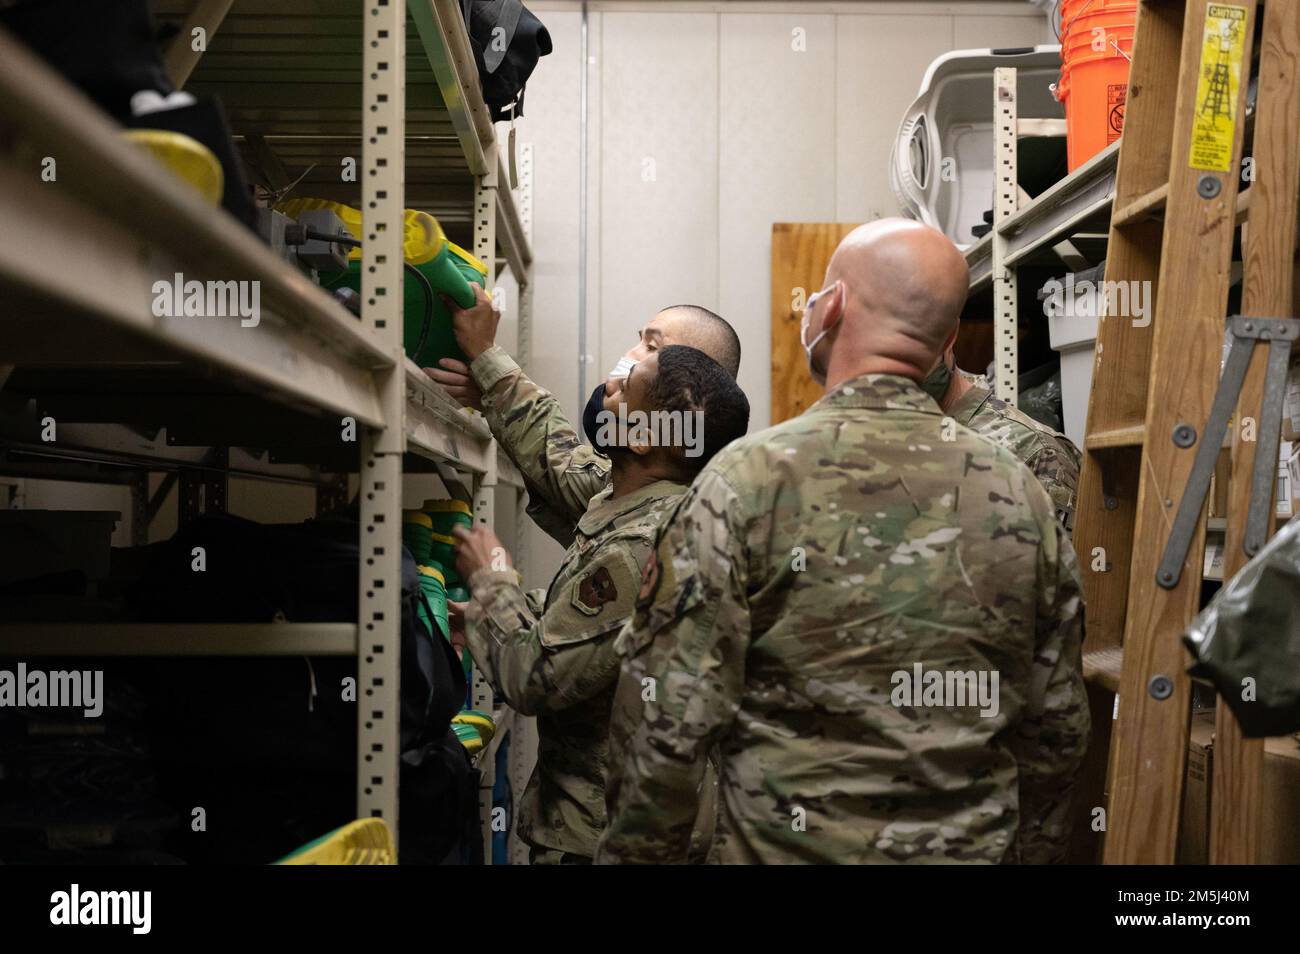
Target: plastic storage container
1096 51
448 268
941 168
1072 316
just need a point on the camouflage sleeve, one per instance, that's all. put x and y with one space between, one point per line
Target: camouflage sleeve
682 678
548 662
563 472
536 601
1056 465
1053 735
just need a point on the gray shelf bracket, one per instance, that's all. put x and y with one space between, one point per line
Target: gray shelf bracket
1247 331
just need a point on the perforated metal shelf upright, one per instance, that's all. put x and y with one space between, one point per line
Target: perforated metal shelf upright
77 262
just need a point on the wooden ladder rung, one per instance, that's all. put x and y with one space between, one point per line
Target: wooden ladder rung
1102 667
1132 436
1144 206
1152 205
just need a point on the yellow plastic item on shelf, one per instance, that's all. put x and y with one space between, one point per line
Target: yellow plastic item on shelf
417 517
422 240
483 723
188 158
364 842
468 737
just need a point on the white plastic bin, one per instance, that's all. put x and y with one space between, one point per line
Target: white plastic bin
1072 309
952 119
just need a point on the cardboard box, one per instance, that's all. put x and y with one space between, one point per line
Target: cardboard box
1194 835
1288 482
1293 468
1279 842
1285 487
1219 483
1280 838
1291 405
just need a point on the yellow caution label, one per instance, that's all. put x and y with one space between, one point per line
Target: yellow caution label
1217 87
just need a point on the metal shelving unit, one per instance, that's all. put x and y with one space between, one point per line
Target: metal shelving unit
305 83
1077 205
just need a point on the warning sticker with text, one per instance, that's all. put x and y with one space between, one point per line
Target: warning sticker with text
1217 87
1116 94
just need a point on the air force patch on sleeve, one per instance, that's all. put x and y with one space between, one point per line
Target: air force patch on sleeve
595 590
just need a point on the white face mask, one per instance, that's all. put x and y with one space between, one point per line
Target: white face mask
808 346
623 369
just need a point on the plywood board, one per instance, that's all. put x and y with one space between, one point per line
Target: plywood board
800 253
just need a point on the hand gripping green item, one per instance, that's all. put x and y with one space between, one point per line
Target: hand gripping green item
1247 641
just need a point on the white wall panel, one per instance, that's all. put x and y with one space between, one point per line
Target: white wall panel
777 164
981 31
658 170
551 124
879 64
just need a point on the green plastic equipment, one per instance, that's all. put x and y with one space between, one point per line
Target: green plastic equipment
448 268
434 586
417 535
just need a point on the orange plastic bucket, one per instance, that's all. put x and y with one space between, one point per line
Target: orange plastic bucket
1096 48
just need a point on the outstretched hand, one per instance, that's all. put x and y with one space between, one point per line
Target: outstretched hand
479 549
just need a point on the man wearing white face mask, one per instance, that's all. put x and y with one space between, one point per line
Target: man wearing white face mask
563 473
815 573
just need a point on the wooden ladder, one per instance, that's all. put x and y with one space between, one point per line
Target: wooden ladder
1175 211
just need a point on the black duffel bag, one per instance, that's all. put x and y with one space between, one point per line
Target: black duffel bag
507 40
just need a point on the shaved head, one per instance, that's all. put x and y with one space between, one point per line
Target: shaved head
895 290
698 327
694 326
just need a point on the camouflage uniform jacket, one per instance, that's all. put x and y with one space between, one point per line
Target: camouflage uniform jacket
1048 453
810 566
554 657
563 473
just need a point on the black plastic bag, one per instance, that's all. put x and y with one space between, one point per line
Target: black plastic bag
1247 641
507 40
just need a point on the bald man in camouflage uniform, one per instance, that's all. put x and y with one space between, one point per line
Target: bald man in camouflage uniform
808 573
1052 456
551 652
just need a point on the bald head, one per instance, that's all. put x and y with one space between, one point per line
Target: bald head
904 285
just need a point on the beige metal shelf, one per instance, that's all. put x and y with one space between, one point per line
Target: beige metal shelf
178 639
290 79
80 256
304 82
1078 203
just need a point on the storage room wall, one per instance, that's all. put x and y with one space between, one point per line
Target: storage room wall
705 126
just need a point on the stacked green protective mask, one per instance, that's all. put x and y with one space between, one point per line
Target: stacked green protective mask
417 535
434 586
